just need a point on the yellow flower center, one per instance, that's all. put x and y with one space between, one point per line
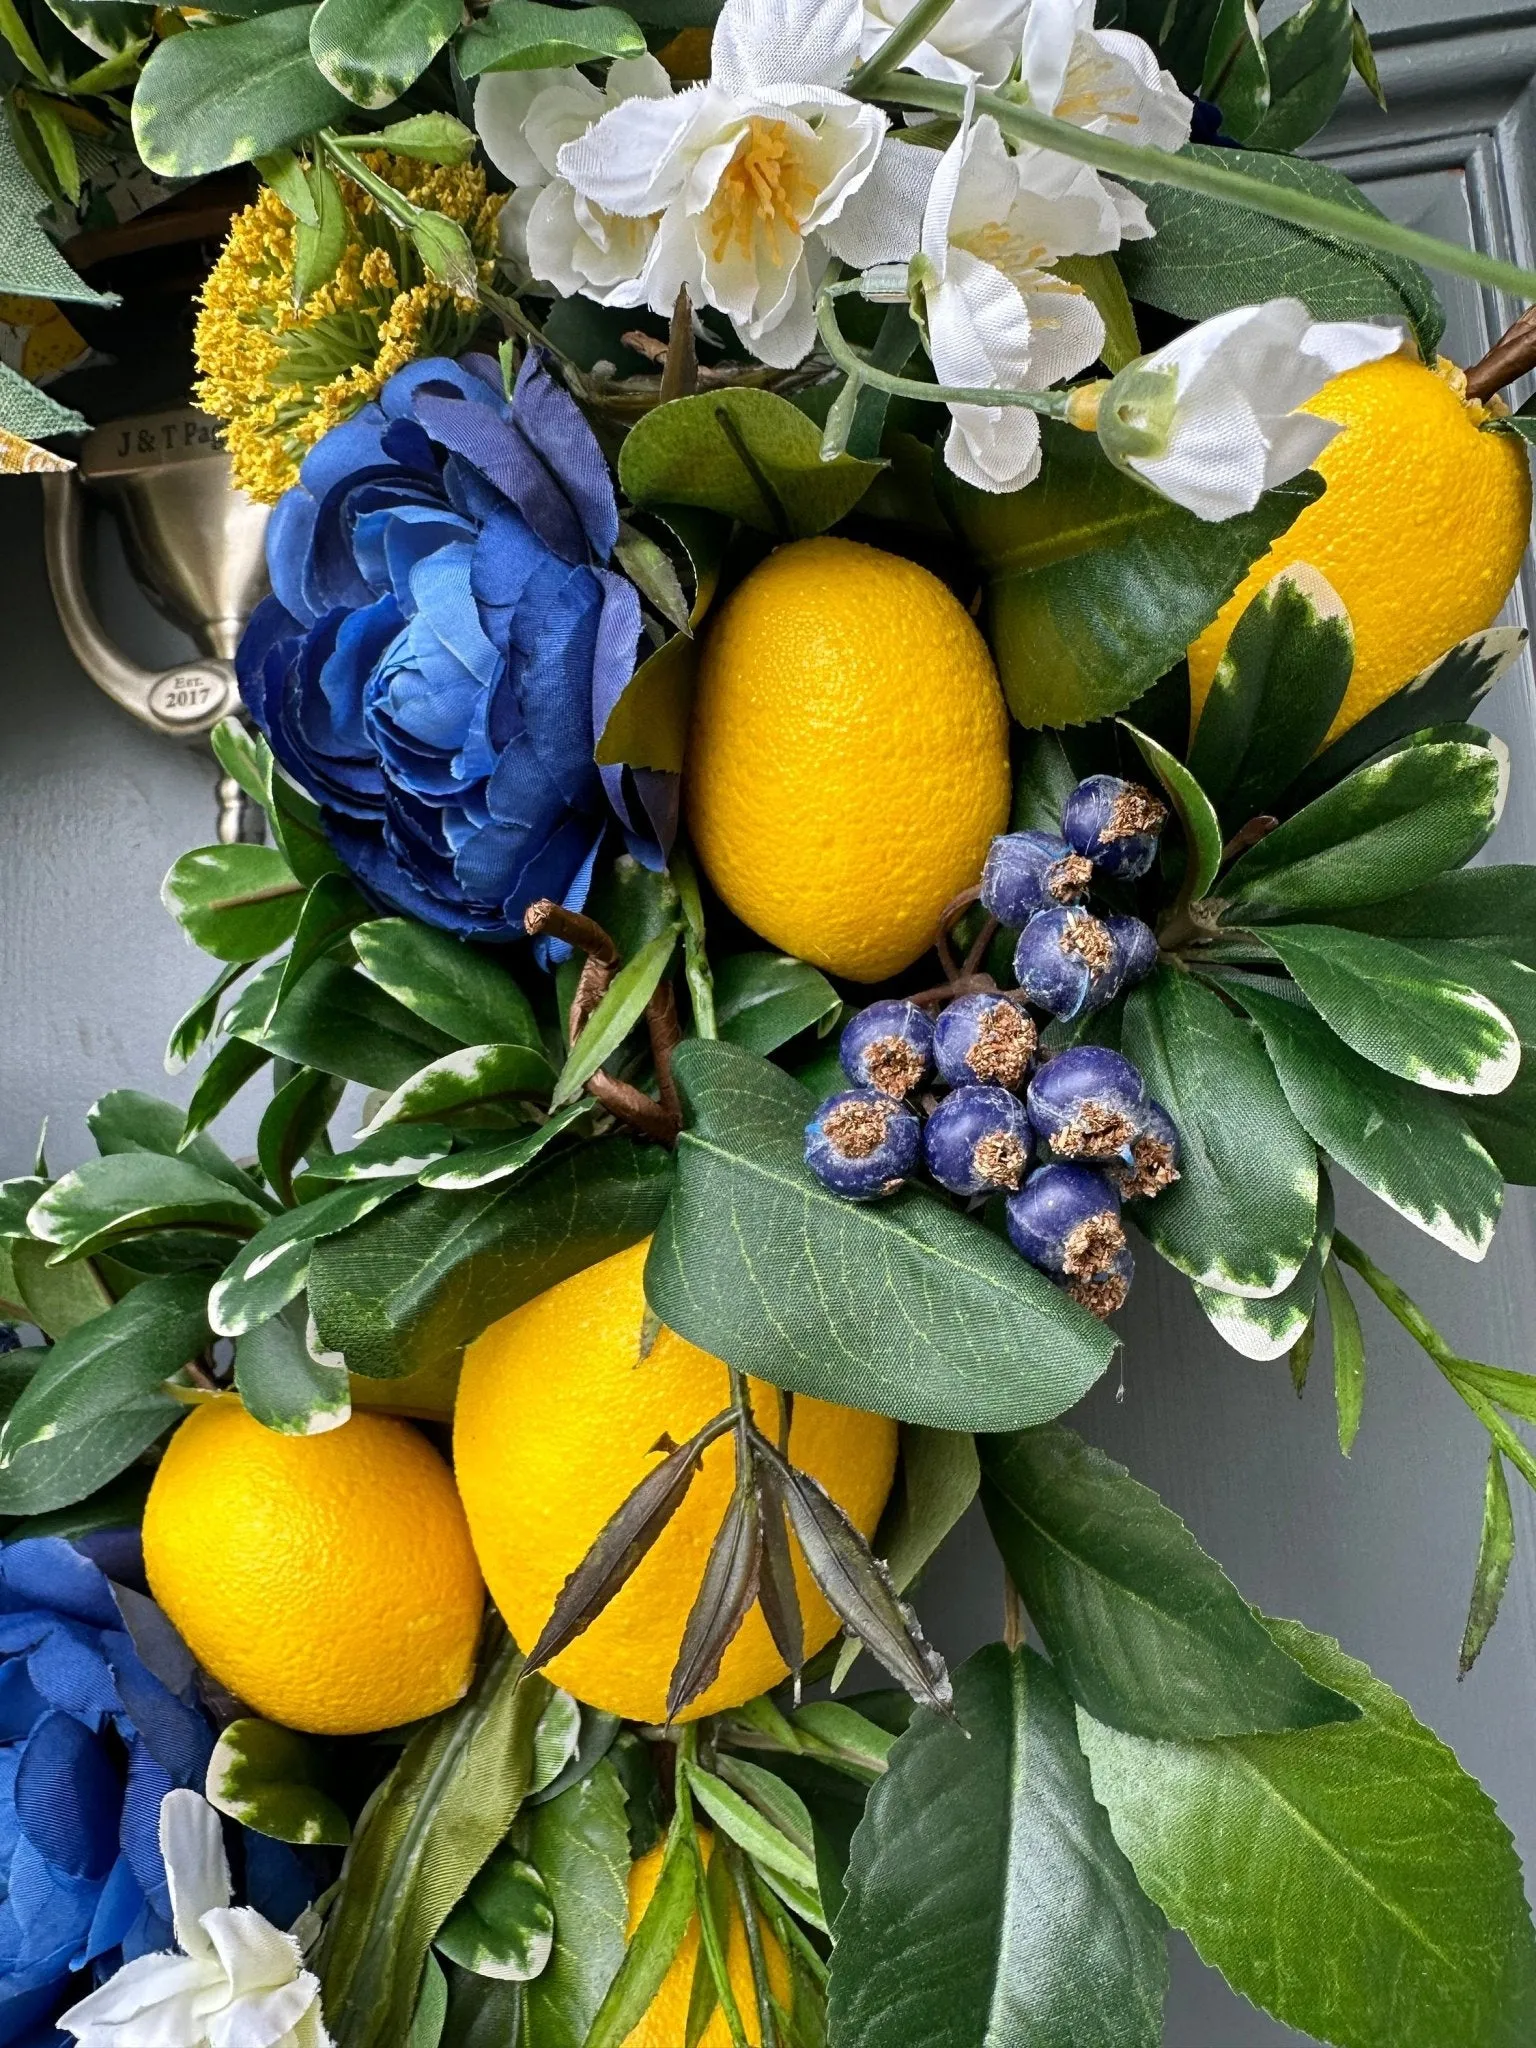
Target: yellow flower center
764 188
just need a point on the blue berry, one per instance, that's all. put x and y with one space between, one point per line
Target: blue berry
1114 824
1154 1161
889 1046
984 1038
977 1141
1066 1221
9 1341
1064 962
862 1143
1135 950
1089 1102
1027 872
1102 1293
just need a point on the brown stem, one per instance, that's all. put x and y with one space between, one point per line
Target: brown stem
632 1107
979 945
962 985
590 990
680 375
1510 357
949 917
200 1376
1246 836
1013 1615
581 932
666 1036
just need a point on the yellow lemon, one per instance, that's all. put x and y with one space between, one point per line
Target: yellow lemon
560 1418
666 2021
848 758
1420 531
327 1581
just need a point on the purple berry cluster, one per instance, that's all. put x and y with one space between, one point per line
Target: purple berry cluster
1085 1114
1068 960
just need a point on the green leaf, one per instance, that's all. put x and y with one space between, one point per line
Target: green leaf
236 902
1242 1215
269 1271
427 1832
1495 1554
57 1298
622 1007
648 727
1491 908
1276 690
486 1164
240 752
397 1149
431 2011
117 1505
1202 828
749 455
231 1067
127 1121
417 1283
1409 1146
904 1307
1237 68
987 1900
284 1386
294 1123
580 1845
128 1194
480 1084
318 247
1348 1355
446 983
1266 1327
1281 1854
371 50
339 1022
1096 585
1143 1628
762 1000
331 909
1383 830
229 94
430 139
1310 56
296 827
504 1926
1397 1011
1505 1123
1264 258
768 1845
96 1399
1099 277
273 1781
1043 779
190 1032
521 35
652 1947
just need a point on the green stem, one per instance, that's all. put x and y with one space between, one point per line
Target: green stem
709 1930
1054 404
1145 166
898 46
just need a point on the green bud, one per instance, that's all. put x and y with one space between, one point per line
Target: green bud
444 248
1136 413
430 138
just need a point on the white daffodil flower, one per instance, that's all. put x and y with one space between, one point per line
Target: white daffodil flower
524 119
745 176
1107 81
1210 421
976 39
995 313
239 1982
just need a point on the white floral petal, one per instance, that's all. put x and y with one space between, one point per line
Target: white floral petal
941 199
676 263
632 78
1050 30
143 1987
979 326
632 161
196 1868
560 115
502 100
255 1955
512 224
1341 345
994 448
837 159
882 221
1239 329
764 42
1215 461
264 2019
1066 332
988 183
573 246
1295 443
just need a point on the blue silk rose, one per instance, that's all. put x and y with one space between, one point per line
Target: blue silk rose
444 642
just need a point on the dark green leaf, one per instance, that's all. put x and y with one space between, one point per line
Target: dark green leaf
1276 690
1408 1145
431 2013
397 1149
117 1505
236 902
371 50
417 1283
489 1163
504 1926
483 2012
634 905
1043 779
231 1067
762 1000
230 94
652 1947
1399 1012
296 827
1348 1355
749 455
295 1121
128 1194
1310 56
57 1298
622 1007
338 1021
1237 68
1495 1554
1264 258
521 35
1143 1628
1264 1326
478 1084
284 1386
1281 1854
446 983
769 1845
190 1032
127 1121
1095 585
331 909
1201 826
1490 907
904 1307
272 1780
1019 1920
268 1272
1242 1216
441 1812
580 1845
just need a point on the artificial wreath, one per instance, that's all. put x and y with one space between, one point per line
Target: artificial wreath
867 715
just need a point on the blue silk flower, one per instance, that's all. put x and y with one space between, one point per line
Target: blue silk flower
444 643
